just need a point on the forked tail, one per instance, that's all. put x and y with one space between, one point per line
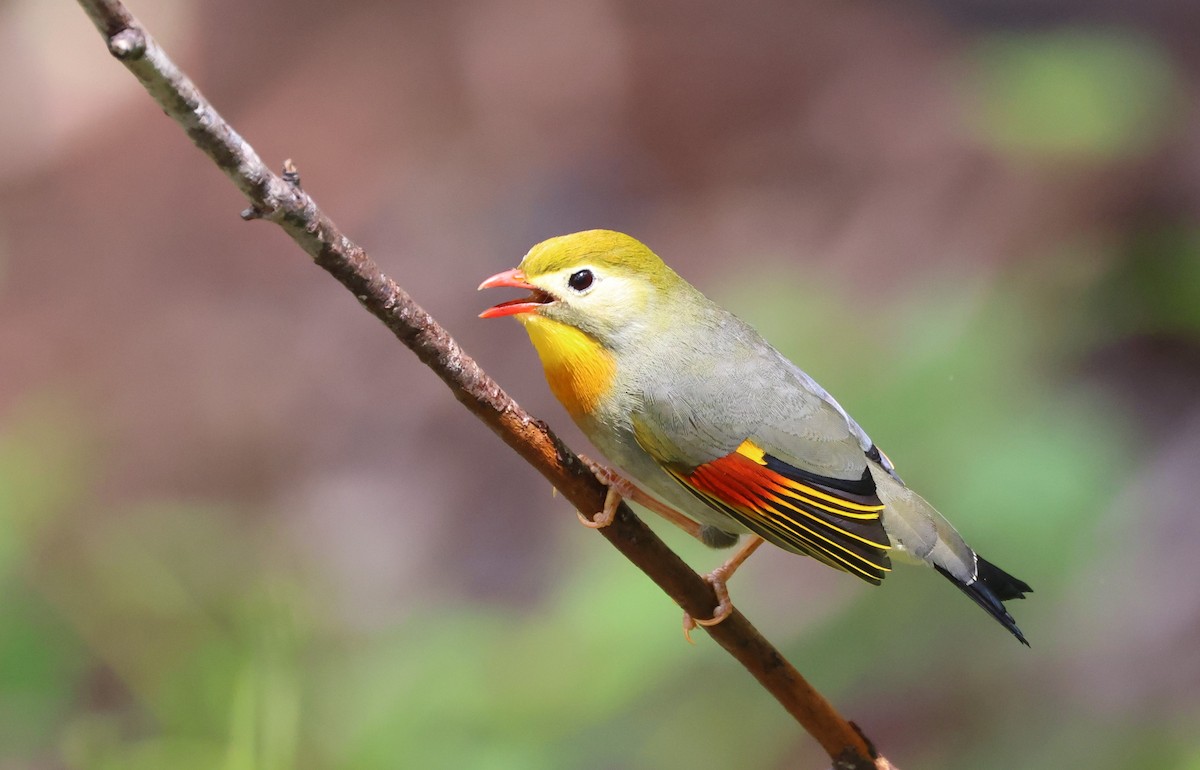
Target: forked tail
989 589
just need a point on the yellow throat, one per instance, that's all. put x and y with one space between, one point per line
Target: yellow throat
580 372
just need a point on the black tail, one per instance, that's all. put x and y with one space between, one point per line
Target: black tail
990 587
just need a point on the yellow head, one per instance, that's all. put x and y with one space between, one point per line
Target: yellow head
594 293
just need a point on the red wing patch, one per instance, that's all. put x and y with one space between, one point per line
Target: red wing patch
836 521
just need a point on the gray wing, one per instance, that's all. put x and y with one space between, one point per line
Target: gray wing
726 393
754 438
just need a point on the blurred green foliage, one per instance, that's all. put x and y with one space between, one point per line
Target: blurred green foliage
1072 92
40 659
1157 289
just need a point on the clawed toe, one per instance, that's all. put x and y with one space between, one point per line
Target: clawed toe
612 501
723 609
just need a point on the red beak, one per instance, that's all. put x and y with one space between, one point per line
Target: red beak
516 279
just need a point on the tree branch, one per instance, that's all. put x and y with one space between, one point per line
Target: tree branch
280 200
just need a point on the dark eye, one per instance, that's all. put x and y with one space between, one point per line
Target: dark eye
580 280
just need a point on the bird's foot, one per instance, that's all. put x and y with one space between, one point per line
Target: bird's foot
612 501
627 490
619 488
719 579
724 607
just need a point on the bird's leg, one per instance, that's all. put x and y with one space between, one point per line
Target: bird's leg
620 488
718 578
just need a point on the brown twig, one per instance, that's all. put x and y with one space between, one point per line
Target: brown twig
280 200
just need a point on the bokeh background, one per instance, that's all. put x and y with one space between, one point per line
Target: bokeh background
242 527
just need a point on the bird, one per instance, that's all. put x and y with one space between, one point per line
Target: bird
710 426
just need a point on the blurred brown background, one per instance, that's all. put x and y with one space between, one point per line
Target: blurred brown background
241 527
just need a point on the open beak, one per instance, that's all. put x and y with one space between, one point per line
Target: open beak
515 279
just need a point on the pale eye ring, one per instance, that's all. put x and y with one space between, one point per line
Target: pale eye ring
580 280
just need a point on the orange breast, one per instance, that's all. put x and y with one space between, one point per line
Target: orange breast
580 372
